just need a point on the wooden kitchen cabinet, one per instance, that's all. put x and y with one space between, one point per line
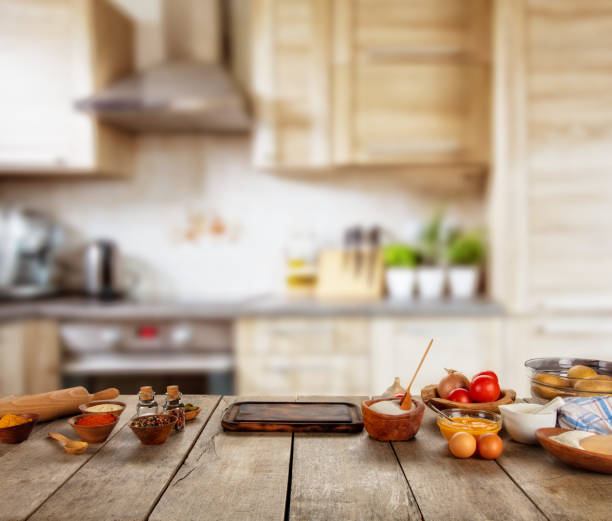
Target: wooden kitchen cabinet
411 81
290 84
59 51
551 206
371 82
318 356
466 344
29 357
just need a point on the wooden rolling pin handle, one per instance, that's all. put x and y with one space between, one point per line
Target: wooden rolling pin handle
106 394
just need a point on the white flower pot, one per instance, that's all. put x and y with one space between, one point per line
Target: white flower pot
400 282
463 281
431 282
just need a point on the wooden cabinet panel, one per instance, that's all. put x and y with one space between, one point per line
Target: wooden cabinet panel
290 82
60 51
465 344
347 82
552 194
29 357
302 356
415 82
569 124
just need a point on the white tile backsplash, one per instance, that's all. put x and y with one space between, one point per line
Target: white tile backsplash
148 215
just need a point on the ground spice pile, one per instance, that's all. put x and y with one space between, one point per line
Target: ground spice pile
12 420
90 420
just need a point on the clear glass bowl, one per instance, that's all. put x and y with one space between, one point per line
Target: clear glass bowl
548 378
480 422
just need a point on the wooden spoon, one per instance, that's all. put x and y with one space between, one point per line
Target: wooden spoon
71 446
406 403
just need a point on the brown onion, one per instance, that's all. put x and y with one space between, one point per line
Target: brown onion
453 380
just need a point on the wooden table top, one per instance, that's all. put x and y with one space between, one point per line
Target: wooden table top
206 473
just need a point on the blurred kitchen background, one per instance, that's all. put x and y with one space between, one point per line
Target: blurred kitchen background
293 196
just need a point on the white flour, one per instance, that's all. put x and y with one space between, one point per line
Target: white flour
390 407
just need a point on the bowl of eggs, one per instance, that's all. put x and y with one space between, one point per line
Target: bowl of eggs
471 421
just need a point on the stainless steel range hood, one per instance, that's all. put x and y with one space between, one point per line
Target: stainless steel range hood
183 94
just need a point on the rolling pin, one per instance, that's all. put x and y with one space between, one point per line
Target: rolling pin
55 403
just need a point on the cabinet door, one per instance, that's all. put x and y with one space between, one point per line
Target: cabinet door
302 356
411 81
291 82
56 52
553 182
468 345
29 357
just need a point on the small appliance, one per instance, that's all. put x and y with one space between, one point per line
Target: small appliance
29 242
101 270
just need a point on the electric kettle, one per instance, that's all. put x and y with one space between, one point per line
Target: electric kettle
101 270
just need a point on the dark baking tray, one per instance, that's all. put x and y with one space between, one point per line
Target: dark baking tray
293 417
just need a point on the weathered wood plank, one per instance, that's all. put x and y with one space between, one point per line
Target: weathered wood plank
124 480
230 476
347 476
449 488
39 466
562 492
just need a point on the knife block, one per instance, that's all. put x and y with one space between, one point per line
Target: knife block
339 279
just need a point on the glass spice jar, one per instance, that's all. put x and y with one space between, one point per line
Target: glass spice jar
147 404
174 405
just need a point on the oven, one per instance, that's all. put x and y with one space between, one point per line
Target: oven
194 354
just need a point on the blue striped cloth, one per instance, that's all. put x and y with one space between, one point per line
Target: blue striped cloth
587 414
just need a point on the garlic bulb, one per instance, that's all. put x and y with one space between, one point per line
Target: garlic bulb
394 389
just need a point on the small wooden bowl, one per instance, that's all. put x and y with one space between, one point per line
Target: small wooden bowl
92 433
18 433
389 427
190 415
583 459
430 393
84 406
155 435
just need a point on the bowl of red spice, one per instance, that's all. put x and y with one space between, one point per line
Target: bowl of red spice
15 428
93 428
153 429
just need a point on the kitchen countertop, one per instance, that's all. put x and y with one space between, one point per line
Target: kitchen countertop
266 306
206 473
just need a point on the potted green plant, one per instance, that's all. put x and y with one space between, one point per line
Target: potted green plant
400 260
431 274
465 255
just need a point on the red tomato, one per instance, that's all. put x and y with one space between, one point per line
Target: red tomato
484 389
485 373
459 395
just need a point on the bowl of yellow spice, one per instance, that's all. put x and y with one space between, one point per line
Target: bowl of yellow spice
15 428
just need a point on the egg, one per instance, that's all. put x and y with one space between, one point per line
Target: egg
462 445
490 446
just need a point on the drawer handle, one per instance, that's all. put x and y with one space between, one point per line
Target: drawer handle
413 52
